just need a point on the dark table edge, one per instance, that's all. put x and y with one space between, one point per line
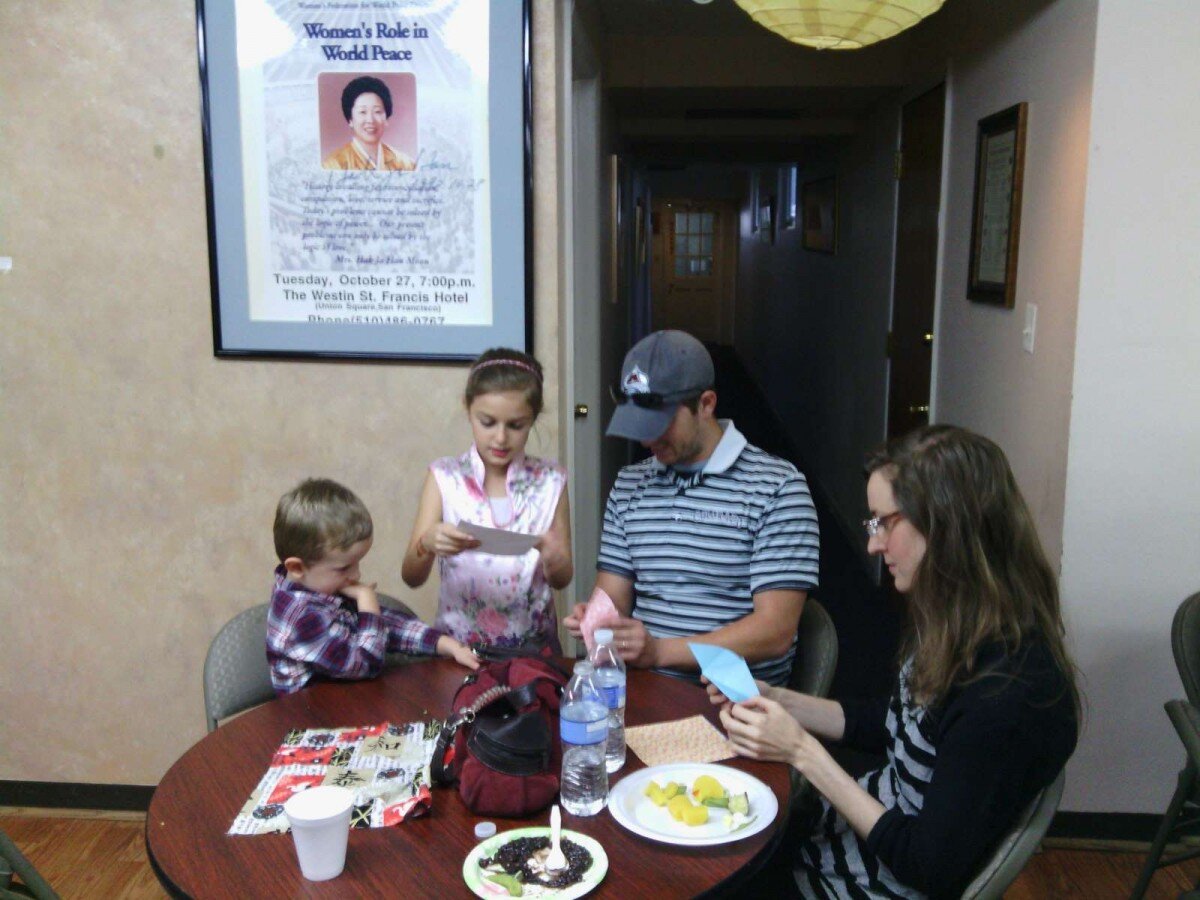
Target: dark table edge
168 885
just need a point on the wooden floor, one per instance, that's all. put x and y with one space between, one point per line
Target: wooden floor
102 855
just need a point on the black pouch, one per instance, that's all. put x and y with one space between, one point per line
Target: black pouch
517 744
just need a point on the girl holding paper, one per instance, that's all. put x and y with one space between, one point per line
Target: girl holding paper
985 712
488 598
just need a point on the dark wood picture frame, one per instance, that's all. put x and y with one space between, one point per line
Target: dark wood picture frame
996 217
819 214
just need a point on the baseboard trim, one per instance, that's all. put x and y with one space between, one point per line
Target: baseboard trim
1137 828
75 795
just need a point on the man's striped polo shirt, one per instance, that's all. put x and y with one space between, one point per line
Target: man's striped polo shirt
698 546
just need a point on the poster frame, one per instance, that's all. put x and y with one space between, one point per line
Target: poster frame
236 335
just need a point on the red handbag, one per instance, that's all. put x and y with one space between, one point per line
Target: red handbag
501 744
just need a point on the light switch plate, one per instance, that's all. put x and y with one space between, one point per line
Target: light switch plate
1030 330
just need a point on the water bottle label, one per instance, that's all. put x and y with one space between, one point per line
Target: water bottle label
614 695
583 732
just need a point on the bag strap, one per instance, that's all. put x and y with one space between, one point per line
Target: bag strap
443 772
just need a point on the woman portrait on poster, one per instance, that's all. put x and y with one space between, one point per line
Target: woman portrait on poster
367 106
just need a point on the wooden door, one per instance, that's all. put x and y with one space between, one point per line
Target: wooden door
693 259
919 168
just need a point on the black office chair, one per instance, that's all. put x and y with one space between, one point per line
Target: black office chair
816 651
14 864
1184 811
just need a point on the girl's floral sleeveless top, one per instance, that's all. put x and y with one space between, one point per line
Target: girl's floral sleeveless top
499 600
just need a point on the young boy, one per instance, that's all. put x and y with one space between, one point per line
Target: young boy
323 621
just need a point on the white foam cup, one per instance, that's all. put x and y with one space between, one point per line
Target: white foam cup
320 820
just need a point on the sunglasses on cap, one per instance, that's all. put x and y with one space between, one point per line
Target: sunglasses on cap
652 399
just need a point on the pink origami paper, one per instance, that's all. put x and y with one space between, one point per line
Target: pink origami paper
601 613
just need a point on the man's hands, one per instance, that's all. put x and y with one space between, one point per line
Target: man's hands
444 539
634 644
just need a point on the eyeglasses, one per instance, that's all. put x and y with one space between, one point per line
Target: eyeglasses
877 524
652 399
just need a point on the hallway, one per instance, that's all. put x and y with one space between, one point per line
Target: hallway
867 618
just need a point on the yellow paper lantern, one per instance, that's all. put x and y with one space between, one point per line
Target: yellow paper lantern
838 24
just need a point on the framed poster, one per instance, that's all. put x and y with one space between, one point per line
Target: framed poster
368 176
818 211
996 220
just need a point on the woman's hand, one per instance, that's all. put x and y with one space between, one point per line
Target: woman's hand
444 539
762 729
718 699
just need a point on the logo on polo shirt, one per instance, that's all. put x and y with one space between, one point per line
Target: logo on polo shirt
636 382
713 517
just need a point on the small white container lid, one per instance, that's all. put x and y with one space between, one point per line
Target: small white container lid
484 830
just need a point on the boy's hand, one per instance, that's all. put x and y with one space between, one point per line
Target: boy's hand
455 650
443 539
364 595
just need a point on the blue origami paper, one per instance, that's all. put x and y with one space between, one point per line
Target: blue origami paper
726 670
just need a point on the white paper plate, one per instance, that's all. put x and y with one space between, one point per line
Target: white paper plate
630 806
474 876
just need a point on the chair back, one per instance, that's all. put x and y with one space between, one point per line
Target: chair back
1015 848
236 673
1185 642
816 651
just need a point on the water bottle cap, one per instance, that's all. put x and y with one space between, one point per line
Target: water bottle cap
484 830
603 635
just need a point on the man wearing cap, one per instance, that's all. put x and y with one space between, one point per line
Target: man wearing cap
711 539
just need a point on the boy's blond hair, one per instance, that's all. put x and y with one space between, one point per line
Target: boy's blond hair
317 516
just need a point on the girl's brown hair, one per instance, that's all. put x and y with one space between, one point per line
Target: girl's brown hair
504 369
984 576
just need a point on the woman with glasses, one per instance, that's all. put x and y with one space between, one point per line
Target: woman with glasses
985 711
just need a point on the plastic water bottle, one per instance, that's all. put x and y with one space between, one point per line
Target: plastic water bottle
610 679
583 726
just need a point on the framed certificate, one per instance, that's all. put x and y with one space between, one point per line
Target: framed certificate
368 176
996 223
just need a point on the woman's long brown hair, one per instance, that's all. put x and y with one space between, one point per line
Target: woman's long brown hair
984 576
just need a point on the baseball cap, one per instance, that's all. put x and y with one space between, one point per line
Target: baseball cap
661 371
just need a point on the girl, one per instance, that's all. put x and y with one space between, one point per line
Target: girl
985 712
484 598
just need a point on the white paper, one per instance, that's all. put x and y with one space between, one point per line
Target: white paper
498 541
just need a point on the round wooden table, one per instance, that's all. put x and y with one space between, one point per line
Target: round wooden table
197 800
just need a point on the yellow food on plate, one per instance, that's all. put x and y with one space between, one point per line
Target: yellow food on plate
656 794
706 787
695 815
676 806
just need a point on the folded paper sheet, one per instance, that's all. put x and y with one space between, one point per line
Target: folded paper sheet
601 613
726 670
499 542
387 767
694 740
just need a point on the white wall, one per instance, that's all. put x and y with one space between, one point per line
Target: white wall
985 380
1131 544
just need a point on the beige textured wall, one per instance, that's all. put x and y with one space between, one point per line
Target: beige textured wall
140 473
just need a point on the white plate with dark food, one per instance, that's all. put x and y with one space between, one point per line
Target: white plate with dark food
512 865
692 804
